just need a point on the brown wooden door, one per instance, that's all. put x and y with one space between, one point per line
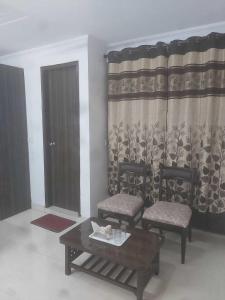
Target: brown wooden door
14 161
60 92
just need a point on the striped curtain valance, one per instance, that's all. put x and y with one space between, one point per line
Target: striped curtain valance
194 68
192 44
144 78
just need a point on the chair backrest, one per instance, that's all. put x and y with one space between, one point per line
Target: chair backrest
133 175
178 175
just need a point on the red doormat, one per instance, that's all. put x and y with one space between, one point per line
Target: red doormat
53 223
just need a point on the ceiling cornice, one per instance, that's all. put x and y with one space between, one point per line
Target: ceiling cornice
169 36
68 44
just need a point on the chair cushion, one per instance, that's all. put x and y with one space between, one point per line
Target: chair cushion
123 204
169 213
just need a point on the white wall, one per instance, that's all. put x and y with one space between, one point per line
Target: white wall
31 61
98 122
93 106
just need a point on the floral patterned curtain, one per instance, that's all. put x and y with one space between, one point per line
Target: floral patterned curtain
166 104
196 114
137 102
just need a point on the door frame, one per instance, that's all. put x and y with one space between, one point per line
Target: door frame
45 113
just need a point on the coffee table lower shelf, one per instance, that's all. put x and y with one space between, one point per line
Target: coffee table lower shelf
111 272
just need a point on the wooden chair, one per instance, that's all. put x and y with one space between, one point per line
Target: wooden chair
127 206
173 216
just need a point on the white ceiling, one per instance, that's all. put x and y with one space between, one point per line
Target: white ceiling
29 23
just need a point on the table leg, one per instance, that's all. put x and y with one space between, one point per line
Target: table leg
140 284
70 254
67 260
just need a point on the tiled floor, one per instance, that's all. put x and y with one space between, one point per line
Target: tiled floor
32 267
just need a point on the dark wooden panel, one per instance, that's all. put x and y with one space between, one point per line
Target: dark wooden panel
4 158
209 222
60 88
15 192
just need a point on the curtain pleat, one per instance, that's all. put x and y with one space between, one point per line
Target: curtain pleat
196 114
137 92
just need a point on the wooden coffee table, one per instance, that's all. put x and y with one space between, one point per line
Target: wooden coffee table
138 256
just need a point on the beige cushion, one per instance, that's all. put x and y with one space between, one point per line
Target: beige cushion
169 213
123 204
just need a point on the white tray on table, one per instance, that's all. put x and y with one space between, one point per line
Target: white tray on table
115 242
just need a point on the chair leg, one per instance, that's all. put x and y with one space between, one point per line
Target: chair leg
190 232
156 264
183 245
100 215
161 232
131 223
162 236
144 224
